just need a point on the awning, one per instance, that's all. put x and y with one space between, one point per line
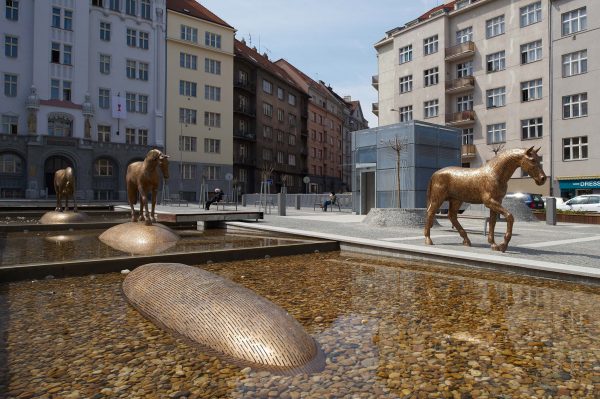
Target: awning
579 184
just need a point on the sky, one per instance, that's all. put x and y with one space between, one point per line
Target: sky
329 40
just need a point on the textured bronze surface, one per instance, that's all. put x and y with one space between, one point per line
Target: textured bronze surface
140 239
222 317
142 178
55 217
485 185
64 186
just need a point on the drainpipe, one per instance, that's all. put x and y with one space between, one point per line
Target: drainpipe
551 97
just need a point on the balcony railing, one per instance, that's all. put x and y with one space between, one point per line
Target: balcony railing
468 151
246 110
245 84
247 134
375 108
460 118
375 81
243 159
461 50
460 84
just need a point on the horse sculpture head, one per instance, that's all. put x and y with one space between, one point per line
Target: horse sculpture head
530 163
163 163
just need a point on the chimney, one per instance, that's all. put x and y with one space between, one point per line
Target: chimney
243 41
254 48
265 55
348 98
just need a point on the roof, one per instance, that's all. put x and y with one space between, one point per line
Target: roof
446 7
304 77
254 57
195 9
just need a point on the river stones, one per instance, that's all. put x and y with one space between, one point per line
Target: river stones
222 318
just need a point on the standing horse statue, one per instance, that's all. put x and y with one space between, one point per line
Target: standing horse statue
142 177
64 186
485 185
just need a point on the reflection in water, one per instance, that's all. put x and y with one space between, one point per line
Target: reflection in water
388 330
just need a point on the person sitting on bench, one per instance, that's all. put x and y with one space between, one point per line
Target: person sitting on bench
218 197
330 201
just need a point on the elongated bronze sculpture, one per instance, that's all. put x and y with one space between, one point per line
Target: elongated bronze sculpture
485 185
64 186
142 177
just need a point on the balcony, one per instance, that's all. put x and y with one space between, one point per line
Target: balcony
246 135
375 108
468 151
460 118
245 85
461 84
246 110
243 160
375 81
460 51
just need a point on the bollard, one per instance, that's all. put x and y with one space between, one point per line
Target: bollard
281 204
244 200
551 211
298 200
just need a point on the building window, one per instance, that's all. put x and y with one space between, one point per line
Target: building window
10 164
212 39
406 113
10 85
130 102
242 175
12 10
430 45
66 90
292 139
105 31
114 5
142 104
104 64
531 90
267 109
531 128
496 62
145 9
431 76
11 46
56 17
103 166
187 116
496 97
213 172
267 132
267 86
188 61
188 143
531 52
104 98
67 54
143 136
10 124
574 63
55 53
494 26
431 108
187 88
406 54
574 21
464 35
575 106
280 93
60 125
292 120
531 14
130 68
575 148
212 66
464 69
54 89
280 114
292 159
467 136
212 93
464 103
406 84
131 37
143 71
496 133
212 146
189 34
187 171
129 136
212 119
143 41
68 20
130 7
291 99
103 133
280 157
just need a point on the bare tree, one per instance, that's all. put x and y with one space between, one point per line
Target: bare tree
496 148
398 146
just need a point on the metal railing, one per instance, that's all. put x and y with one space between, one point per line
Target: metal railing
460 49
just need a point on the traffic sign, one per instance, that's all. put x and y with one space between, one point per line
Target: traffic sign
306 179
269 181
228 176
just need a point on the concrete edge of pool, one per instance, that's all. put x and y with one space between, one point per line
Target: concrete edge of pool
116 264
560 271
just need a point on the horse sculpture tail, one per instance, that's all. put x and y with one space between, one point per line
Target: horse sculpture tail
429 193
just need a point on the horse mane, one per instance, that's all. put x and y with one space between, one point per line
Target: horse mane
152 156
505 156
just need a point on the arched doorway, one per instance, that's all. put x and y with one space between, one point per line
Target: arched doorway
53 164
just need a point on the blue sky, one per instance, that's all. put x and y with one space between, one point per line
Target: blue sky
330 40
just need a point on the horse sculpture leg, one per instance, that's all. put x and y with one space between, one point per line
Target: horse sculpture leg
495 206
66 202
493 218
58 201
152 216
434 205
74 203
453 208
144 214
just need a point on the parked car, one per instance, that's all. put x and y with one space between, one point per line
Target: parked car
582 203
533 201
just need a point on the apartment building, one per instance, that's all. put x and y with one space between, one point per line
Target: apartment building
478 65
269 124
83 87
325 121
199 99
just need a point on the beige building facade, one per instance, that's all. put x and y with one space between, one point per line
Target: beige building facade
199 106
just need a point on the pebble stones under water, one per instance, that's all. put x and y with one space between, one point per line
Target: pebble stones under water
388 330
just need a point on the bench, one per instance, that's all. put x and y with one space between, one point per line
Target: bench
226 201
320 202
486 220
175 199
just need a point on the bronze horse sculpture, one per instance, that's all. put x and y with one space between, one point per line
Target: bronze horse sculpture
64 186
142 177
485 185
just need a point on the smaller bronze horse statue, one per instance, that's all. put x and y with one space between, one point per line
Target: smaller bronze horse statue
485 185
142 177
64 186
